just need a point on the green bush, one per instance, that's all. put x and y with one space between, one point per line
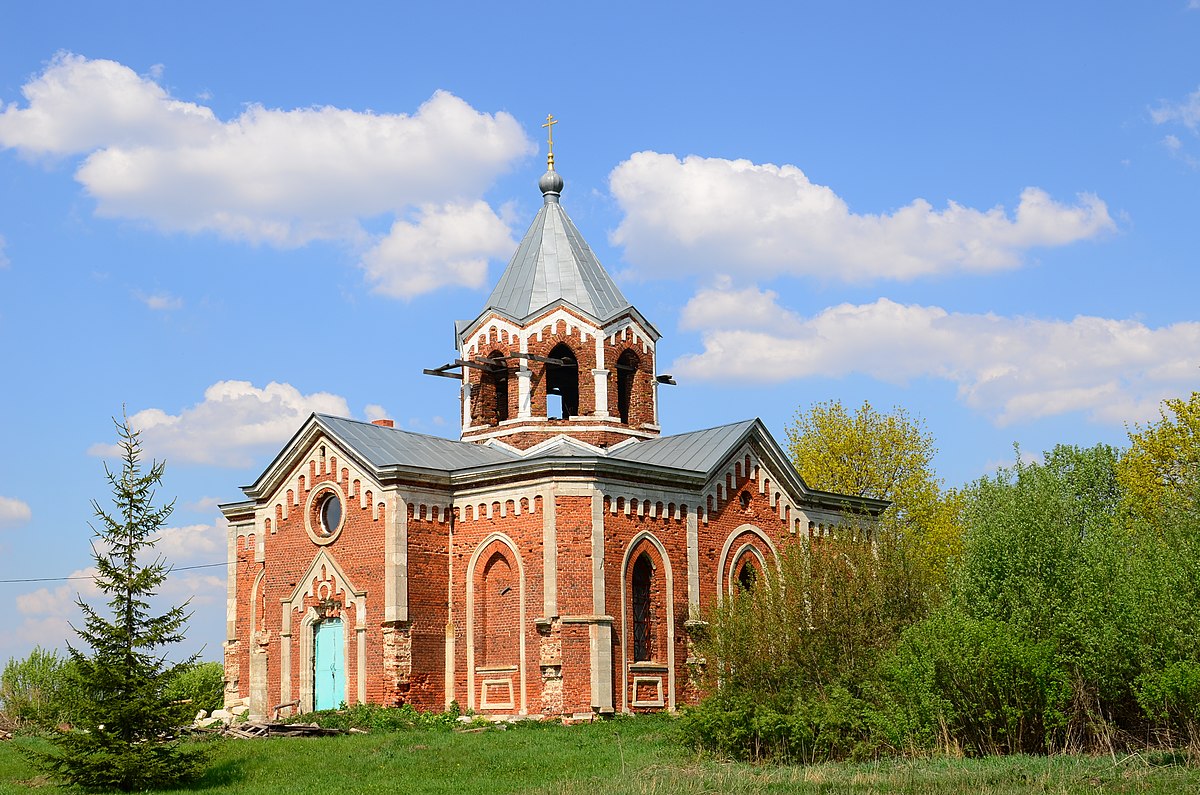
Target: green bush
203 685
801 730
1066 626
378 718
36 693
973 685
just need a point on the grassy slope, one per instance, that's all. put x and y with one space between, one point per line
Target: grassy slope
620 756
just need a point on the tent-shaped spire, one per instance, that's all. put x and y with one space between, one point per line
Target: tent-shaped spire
555 263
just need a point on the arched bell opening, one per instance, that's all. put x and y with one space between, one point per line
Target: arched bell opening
627 367
562 383
491 400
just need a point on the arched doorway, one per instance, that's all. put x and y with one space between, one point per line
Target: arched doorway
329 664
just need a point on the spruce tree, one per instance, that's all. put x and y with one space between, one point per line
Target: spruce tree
124 736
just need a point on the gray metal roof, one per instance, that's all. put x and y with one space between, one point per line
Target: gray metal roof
387 447
382 447
697 451
555 263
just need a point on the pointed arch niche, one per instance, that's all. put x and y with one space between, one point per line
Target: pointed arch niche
496 626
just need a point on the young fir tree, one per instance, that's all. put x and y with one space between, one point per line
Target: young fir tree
125 721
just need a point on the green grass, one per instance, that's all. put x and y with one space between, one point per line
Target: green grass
619 756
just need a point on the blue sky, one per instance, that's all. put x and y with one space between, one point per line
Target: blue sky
224 218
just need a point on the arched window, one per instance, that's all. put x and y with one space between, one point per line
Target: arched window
562 382
627 366
643 570
747 576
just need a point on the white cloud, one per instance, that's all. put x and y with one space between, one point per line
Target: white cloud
4 262
1186 112
14 512
79 105
203 505
160 301
204 542
710 213
59 601
1011 368
375 412
199 588
445 245
281 177
235 420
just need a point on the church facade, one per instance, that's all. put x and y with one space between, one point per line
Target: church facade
556 560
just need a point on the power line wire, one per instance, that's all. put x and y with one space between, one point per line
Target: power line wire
89 577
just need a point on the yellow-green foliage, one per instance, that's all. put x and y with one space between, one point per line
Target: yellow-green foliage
888 457
1162 464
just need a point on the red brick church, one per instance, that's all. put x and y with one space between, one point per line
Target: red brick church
553 561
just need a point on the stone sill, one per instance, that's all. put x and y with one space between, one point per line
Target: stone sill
496 669
647 667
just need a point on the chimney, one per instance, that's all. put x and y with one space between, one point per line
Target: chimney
384 423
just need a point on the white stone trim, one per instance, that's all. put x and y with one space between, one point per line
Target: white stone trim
549 553
693 563
319 490
232 534
628 329
656 681
395 558
614 424
287 494
532 332
599 634
723 561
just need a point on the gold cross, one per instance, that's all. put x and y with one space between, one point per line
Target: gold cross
550 122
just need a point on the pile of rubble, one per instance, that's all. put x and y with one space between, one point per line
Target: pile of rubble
238 722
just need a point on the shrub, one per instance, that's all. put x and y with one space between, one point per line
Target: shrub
976 685
36 692
379 718
202 685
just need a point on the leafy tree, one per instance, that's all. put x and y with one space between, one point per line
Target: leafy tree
888 457
1162 465
36 692
125 719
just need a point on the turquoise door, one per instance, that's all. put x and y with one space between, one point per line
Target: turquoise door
329 664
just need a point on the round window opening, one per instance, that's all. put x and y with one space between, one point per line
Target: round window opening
330 513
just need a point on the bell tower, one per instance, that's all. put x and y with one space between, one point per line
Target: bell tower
557 349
